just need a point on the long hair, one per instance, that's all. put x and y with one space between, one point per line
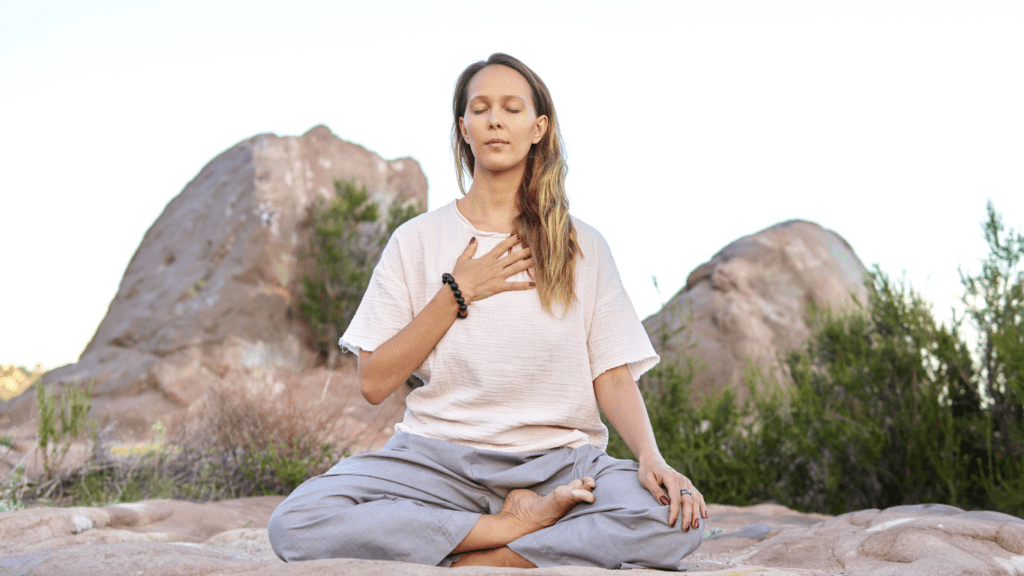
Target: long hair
543 223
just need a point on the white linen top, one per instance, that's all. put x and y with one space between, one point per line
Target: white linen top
511 376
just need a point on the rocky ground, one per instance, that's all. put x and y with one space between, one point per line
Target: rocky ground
174 538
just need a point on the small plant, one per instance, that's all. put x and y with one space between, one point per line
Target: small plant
12 489
60 422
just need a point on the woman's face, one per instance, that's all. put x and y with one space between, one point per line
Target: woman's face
500 123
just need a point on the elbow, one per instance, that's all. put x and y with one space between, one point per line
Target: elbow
367 385
369 391
371 397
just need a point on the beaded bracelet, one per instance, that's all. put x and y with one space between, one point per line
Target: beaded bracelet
447 278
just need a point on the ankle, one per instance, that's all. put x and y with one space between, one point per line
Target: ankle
502 557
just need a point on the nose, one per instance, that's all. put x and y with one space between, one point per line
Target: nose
493 121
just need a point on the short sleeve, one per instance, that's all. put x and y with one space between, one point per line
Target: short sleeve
386 307
616 336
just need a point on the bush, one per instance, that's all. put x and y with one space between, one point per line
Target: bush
349 234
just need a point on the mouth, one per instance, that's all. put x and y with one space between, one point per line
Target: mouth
496 141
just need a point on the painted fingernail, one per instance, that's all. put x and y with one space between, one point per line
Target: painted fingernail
664 500
696 523
705 514
472 240
686 528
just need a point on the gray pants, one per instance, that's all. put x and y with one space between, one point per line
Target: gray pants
418 498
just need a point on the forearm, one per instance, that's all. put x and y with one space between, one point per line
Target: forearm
621 401
383 370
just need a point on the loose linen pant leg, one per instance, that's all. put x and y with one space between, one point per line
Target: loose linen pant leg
402 503
625 527
416 499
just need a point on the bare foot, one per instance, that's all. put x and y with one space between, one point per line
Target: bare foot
536 511
522 513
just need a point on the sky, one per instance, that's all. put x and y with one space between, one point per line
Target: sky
688 124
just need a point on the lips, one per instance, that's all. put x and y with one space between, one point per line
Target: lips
496 141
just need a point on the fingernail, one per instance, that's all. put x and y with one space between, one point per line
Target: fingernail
664 500
472 240
705 514
686 528
696 523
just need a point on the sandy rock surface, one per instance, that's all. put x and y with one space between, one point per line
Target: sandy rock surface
173 538
749 302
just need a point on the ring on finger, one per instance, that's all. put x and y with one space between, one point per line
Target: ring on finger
685 492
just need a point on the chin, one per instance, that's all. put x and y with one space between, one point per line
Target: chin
495 165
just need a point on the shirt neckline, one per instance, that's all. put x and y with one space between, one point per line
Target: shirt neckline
476 231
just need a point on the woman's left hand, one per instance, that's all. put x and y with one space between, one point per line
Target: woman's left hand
664 484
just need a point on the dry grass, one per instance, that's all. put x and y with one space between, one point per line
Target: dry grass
236 442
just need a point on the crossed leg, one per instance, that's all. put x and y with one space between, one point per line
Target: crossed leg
523 512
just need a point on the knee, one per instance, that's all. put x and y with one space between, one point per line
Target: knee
687 541
279 532
303 530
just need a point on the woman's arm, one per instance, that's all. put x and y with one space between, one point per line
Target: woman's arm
620 400
383 370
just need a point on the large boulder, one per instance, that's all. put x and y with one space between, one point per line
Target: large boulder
748 304
209 291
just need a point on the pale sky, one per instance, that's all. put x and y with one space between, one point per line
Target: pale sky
688 124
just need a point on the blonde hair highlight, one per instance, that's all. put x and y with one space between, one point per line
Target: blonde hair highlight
543 223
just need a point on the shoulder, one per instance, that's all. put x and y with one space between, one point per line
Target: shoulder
590 240
425 225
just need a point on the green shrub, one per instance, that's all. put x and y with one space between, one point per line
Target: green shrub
61 421
349 234
867 422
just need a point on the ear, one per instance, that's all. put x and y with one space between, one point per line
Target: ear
462 130
540 128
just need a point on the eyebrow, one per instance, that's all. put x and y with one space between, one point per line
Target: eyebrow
500 98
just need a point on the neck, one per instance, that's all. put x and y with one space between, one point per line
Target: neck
490 204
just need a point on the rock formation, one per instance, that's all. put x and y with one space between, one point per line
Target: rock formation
208 292
749 302
174 538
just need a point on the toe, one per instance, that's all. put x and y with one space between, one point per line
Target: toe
581 495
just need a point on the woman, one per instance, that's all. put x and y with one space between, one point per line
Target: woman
514 316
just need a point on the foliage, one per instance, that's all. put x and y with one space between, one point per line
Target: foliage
868 422
994 302
60 422
885 406
349 234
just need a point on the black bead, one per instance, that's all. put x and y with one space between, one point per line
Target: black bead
454 285
461 301
462 308
458 293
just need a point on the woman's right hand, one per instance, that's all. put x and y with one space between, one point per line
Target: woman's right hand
481 277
